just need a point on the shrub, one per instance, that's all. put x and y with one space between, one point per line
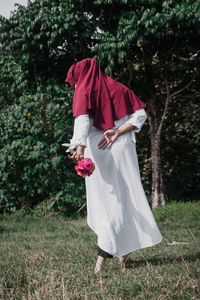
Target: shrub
33 164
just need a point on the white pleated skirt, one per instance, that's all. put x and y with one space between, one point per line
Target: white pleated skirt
117 208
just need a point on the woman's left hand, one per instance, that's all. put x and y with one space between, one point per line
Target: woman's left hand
78 154
110 136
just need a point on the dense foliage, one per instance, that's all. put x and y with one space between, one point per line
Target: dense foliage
151 46
33 164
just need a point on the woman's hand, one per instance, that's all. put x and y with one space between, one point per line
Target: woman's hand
78 154
110 136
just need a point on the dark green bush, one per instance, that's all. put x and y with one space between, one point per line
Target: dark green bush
33 164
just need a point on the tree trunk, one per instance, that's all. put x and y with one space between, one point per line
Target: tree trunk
158 188
158 195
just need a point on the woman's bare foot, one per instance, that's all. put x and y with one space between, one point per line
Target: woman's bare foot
123 259
101 261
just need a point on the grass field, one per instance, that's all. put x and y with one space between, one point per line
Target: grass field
54 257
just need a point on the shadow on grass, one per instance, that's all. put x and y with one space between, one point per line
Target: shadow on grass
2 229
156 261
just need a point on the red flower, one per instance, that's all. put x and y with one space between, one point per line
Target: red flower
85 167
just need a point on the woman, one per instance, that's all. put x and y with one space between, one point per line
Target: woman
107 114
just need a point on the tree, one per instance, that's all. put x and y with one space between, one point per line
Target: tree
155 42
181 142
36 114
33 34
151 46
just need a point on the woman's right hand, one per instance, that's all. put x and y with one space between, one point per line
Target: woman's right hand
111 135
108 139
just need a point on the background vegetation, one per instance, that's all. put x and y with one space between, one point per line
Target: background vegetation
151 46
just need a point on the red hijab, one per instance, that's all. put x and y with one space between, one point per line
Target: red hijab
99 96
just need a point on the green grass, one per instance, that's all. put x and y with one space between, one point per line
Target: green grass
53 258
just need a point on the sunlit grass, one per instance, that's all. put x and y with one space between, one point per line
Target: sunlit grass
54 258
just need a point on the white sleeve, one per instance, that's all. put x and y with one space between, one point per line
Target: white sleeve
81 128
137 119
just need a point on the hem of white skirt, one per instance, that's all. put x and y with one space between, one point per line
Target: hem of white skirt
140 248
127 251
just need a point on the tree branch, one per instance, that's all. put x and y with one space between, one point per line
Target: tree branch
166 107
82 207
169 51
130 74
169 97
183 88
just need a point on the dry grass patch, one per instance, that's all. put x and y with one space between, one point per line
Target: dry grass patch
54 258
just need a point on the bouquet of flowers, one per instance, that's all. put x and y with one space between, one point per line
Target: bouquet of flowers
85 167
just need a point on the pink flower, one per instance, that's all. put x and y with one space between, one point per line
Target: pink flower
87 163
85 167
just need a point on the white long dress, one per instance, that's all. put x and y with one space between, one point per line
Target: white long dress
117 208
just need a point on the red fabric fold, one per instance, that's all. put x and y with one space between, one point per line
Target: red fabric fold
100 96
